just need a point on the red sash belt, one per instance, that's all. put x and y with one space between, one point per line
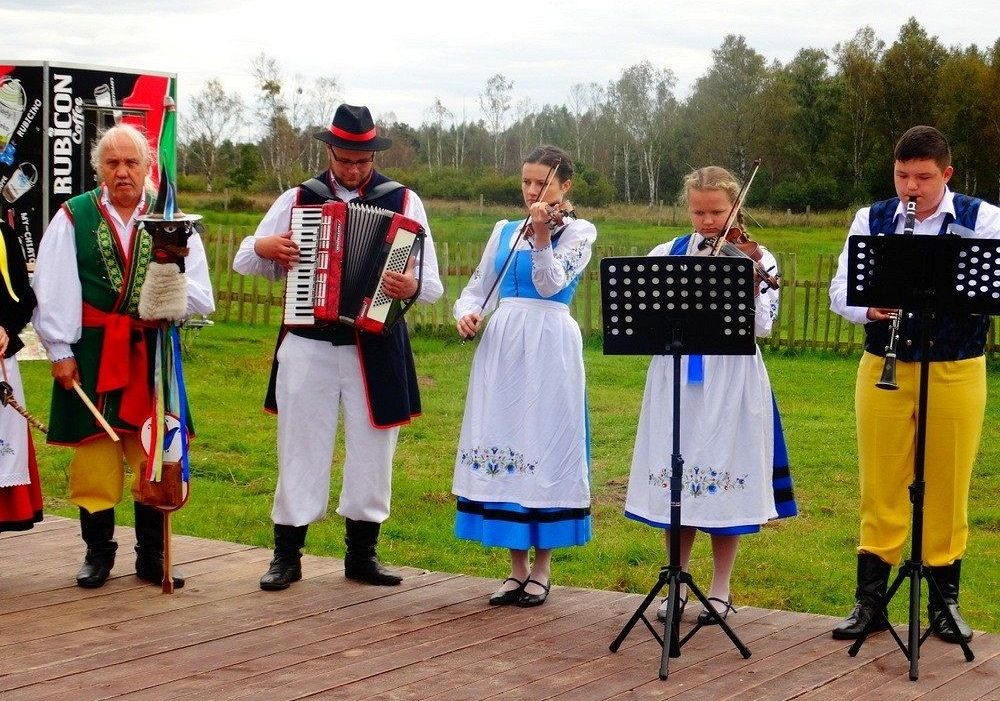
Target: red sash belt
123 363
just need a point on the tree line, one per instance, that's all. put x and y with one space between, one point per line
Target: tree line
823 125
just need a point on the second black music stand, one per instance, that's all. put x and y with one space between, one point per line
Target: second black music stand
922 274
677 305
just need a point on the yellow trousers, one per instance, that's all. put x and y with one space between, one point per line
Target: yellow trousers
887 425
97 472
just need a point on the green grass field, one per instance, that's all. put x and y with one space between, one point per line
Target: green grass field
804 564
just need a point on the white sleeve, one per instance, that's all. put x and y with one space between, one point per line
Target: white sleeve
278 220
838 285
482 279
431 287
199 285
766 310
553 269
988 221
58 318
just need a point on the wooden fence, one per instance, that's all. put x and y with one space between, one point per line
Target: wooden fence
804 317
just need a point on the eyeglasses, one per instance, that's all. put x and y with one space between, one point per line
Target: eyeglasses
361 162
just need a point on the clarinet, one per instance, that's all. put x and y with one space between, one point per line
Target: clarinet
888 378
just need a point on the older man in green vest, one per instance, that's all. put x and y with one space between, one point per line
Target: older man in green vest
91 266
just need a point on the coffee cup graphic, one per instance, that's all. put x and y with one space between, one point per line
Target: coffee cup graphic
12 103
20 181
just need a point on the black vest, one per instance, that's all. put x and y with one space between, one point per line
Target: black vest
386 361
14 316
956 336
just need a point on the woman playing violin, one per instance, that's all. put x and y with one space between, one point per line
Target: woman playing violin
735 466
521 472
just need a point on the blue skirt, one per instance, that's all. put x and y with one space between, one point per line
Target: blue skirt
781 483
508 525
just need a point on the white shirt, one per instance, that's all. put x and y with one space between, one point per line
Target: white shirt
765 303
58 319
278 221
987 227
552 269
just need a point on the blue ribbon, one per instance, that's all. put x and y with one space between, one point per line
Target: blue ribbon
181 399
696 369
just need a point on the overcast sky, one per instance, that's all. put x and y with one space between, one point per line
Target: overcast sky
399 56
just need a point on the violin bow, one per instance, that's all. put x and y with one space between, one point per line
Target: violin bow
517 240
734 212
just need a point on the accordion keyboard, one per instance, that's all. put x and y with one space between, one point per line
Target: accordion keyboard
299 296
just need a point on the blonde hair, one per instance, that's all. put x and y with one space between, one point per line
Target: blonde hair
712 178
125 131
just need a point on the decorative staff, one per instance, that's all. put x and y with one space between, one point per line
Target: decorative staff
163 298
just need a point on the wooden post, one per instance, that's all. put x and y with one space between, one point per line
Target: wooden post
239 308
218 268
229 277
480 204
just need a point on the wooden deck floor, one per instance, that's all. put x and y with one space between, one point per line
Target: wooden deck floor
221 638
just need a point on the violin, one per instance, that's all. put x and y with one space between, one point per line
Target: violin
738 244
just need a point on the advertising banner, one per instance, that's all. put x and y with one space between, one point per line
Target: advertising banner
50 117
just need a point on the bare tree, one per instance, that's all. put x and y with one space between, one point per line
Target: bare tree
215 117
858 61
646 108
281 143
437 115
495 103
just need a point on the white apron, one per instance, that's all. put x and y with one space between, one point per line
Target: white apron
13 433
524 436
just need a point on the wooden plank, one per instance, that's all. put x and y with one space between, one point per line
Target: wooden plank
434 637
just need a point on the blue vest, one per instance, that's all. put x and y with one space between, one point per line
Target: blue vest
517 281
955 336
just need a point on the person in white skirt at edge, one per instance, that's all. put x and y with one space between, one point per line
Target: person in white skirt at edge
736 474
522 467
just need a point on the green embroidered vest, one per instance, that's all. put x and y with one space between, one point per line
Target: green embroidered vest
110 281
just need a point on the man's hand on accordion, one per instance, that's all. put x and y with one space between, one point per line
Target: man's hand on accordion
400 285
280 248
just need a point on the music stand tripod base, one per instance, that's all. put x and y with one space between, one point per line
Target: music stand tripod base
926 274
677 305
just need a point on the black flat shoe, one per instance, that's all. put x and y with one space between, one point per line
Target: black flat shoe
707 619
661 613
527 600
505 598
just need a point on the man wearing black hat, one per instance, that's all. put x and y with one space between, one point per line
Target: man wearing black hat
318 369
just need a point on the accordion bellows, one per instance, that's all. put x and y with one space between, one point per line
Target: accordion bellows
345 251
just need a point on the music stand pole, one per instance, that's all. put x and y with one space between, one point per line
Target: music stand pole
638 327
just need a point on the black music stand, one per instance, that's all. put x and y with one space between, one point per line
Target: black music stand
923 274
677 305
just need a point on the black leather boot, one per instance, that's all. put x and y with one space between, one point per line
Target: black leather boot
98 530
947 580
873 577
360 562
149 546
286 567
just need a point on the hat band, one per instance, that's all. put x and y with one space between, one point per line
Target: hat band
350 136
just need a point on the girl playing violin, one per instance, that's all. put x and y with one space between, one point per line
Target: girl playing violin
735 466
521 473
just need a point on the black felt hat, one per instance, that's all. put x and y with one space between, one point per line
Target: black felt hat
353 128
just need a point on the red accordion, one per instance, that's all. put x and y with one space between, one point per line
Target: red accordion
344 252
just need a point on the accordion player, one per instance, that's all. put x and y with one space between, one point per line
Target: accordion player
345 250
